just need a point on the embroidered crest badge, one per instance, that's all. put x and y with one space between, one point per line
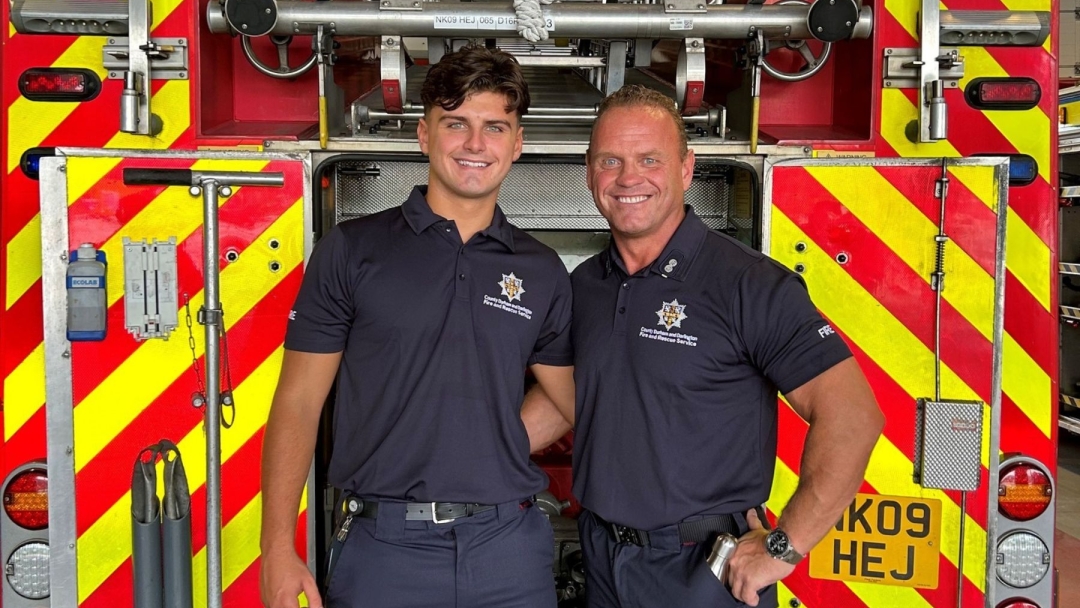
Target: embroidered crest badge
511 287
671 314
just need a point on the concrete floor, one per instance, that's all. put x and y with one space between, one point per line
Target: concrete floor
1067 539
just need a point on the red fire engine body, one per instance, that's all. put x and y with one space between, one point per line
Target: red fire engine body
900 155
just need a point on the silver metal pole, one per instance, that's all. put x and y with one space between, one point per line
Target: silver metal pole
212 304
570 19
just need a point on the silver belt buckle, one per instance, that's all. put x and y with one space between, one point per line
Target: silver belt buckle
435 517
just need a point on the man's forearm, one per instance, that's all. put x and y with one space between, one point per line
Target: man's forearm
288 447
543 420
833 464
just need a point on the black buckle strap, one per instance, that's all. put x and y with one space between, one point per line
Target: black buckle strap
437 512
691 531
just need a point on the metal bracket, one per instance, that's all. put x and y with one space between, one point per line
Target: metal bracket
685 6
901 68
932 111
135 100
401 5
690 76
616 66
392 73
168 60
209 316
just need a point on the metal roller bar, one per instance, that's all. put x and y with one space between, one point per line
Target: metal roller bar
373 115
569 20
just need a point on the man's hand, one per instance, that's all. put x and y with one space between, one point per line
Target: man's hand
283 576
751 568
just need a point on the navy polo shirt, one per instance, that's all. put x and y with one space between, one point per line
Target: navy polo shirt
677 370
436 338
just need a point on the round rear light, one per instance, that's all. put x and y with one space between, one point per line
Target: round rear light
1024 491
1017 603
26 499
1022 559
28 570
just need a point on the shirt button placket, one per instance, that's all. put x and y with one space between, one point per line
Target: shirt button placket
461 283
621 304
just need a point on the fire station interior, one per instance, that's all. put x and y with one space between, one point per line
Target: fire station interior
370 161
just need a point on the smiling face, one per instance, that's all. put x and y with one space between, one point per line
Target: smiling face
638 174
470 148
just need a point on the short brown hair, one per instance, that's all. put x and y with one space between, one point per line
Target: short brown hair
635 95
475 69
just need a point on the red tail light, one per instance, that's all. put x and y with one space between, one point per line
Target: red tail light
59 84
1003 93
1015 603
26 499
1024 492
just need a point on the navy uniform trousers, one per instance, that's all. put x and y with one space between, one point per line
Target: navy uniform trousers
664 573
500 558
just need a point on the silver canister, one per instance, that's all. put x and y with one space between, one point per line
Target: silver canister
722 550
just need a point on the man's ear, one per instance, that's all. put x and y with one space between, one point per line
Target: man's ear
687 170
422 135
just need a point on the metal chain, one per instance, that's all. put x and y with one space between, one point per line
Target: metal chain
198 399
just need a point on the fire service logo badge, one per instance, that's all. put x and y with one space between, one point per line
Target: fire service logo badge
671 314
511 287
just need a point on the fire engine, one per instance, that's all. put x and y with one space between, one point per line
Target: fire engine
169 165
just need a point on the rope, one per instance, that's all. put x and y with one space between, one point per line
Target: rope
530 19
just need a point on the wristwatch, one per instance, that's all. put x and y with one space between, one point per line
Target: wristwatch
778 545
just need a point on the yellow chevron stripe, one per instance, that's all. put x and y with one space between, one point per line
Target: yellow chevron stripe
907 361
156 364
1028 258
107 543
905 12
1028 130
37 120
24 261
24 391
1026 384
974 179
11 31
896 113
907 232
239 549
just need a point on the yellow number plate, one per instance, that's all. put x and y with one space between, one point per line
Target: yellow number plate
892 540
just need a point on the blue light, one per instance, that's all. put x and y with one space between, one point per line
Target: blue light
1022 169
30 163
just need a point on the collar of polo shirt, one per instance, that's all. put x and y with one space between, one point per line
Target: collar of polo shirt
678 255
420 217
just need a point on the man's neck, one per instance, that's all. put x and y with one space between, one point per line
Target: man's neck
637 252
470 216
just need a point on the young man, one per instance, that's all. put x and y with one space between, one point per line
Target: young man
428 315
682 339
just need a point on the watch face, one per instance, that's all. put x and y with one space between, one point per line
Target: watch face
776 543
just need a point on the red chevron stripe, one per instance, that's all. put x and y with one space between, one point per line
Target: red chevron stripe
24 333
244 590
241 475
170 415
28 443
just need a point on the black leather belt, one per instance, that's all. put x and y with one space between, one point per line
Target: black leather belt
692 531
438 512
